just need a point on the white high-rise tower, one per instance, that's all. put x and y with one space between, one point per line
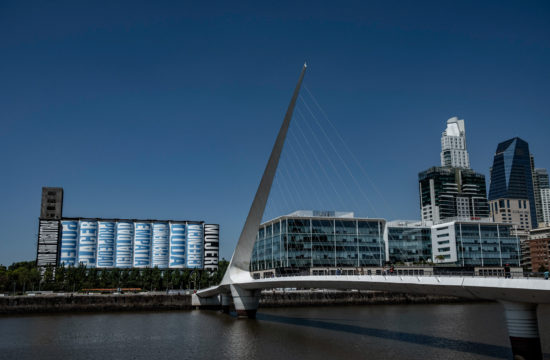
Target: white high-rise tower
453 145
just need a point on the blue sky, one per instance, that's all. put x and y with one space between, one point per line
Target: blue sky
148 110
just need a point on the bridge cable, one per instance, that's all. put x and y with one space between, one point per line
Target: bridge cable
317 158
341 159
388 207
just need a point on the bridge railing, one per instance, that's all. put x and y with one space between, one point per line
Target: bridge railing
387 274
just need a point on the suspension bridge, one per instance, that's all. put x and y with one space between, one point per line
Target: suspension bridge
519 297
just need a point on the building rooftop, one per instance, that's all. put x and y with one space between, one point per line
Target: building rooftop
455 127
481 221
321 214
129 220
409 223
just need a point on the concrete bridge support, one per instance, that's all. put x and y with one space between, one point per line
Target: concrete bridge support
246 301
523 330
212 302
225 300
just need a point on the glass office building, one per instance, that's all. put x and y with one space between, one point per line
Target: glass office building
511 176
307 239
408 242
469 244
447 192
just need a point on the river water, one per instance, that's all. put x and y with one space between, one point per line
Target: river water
450 331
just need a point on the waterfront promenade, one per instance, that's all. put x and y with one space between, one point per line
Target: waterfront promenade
182 300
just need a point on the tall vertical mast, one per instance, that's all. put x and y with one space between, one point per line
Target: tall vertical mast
241 257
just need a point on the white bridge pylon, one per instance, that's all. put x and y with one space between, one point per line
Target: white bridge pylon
519 297
238 269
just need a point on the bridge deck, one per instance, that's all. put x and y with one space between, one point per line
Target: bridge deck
520 290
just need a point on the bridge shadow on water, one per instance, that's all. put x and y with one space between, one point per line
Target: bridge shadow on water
420 339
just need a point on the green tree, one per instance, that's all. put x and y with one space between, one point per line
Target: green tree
81 275
24 276
146 279
91 279
73 278
60 273
222 268
48 280
206 278
185 281
176 279
156 278
134 279
167 279
34 278
4 279
114 278
124 280
104 279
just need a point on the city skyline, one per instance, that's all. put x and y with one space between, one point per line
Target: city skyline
98 143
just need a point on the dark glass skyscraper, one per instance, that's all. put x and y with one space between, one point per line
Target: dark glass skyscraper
511 176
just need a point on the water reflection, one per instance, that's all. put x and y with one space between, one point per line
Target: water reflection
420 339
339 332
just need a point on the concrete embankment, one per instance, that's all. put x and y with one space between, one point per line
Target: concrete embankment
324 298
92 303
52 303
